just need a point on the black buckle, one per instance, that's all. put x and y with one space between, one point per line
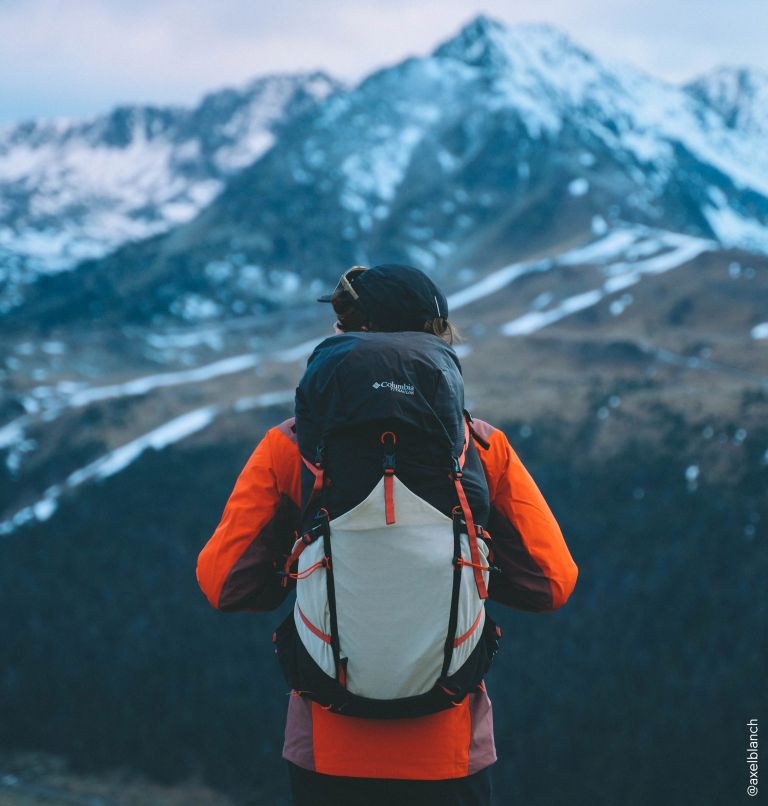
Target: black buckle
388 440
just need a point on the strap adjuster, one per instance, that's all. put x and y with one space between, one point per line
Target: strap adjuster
389 440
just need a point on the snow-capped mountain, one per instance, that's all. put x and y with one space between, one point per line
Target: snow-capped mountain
76 189
501 143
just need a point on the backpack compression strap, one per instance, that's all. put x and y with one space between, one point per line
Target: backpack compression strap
339 662
300 543
472 531
450 641
322 529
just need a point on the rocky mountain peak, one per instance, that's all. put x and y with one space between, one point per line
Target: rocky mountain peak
738 94
488 43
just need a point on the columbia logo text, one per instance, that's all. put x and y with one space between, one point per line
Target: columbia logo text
403 388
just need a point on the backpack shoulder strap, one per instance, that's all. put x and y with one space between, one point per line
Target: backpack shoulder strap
483 443
317 468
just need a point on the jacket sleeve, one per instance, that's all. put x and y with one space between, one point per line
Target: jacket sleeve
537 570
236 568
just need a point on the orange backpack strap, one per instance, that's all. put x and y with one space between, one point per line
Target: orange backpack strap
472 531
388 440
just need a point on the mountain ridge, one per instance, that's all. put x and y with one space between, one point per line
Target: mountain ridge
73 190
501 142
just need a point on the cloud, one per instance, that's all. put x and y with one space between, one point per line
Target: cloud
84 56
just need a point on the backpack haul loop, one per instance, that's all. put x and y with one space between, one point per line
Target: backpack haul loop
389 440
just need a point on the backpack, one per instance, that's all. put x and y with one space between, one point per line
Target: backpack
389 619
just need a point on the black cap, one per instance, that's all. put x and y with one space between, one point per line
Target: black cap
396 298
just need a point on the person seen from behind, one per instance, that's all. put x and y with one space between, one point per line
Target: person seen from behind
393 514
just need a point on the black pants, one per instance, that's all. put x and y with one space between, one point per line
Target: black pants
314 789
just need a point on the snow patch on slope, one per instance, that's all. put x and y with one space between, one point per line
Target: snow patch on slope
623 275
117 460
732 228
111 463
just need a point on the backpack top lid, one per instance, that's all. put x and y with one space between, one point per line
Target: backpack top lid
360 377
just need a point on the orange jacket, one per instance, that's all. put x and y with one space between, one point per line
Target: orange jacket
236 571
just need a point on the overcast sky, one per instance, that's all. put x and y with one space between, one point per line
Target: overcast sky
80 57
